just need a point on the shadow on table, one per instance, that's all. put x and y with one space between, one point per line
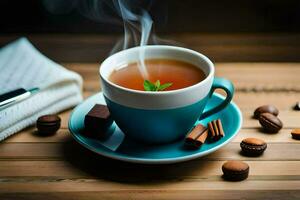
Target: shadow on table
106 168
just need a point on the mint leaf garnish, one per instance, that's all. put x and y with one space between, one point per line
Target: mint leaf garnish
164 86
148 86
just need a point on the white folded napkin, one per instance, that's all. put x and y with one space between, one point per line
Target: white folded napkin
23 66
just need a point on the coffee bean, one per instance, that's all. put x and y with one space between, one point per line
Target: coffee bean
48 124
235 170
253 146
265 109
270 123
296 134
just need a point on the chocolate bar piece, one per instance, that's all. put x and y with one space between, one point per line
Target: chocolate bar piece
97 121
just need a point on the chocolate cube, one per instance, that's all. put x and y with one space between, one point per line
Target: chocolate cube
97 121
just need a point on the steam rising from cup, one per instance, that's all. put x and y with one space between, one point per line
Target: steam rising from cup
136 20
135 25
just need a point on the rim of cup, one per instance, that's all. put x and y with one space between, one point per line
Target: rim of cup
166 47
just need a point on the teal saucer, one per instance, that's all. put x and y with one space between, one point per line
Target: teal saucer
131 151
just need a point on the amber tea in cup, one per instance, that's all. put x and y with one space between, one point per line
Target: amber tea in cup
181 74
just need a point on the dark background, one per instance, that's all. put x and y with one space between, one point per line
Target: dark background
170 16
225 31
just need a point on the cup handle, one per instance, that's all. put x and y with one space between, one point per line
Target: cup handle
228 87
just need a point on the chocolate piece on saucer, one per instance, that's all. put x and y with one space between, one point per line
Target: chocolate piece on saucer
97 122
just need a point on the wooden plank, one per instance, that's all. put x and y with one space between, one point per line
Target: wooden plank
198 169
219 47
70 149
29 135
284 101
275 151
158 194
289 119
261 76
283 136
92 185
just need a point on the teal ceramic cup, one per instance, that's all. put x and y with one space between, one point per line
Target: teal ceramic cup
161 117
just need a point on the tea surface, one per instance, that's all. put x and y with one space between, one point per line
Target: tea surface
179 73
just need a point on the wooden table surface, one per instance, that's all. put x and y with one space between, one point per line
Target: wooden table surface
34 167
